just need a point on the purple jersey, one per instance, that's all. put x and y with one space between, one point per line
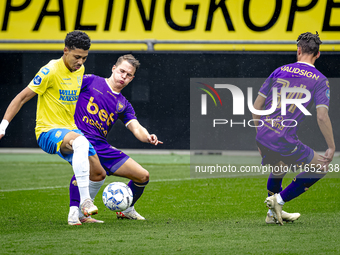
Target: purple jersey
278 131
99 107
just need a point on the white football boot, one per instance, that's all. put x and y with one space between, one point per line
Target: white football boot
73 216
88 208
89 219
275 207
288 217
130 214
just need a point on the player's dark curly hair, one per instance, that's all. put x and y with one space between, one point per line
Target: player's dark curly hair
77 39
309 43
130 59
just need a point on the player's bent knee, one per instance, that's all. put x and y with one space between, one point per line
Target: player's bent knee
144 178
101 176
81 143
101 173
98 176
147 176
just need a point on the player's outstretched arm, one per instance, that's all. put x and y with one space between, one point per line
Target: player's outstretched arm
14 107
325 126
142 134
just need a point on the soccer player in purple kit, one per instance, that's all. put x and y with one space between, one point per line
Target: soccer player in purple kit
278 143
99 106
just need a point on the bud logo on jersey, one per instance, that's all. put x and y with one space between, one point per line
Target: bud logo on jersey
37 80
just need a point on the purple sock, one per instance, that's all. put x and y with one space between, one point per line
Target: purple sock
299 185
137 190
274 184
74 193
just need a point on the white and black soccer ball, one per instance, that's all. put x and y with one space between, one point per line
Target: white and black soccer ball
117 196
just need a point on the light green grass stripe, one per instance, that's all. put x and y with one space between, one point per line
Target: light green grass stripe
59 187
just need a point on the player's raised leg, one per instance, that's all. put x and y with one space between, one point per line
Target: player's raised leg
312 173
303 181
139 178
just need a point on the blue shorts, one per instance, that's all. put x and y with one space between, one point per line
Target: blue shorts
51 140
110 158
300 156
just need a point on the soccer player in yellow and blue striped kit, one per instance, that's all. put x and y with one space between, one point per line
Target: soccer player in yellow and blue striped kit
57 85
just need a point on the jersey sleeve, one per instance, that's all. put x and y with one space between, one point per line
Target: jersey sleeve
322 94
40 82
128 114
87 80
265 88
267 85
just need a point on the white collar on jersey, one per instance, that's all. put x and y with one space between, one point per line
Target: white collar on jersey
305 63
107 82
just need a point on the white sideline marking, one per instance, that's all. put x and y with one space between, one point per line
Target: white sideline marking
159 180
57 187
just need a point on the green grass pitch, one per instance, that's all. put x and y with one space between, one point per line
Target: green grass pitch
184 215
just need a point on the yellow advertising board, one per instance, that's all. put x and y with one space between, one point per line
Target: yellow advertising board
169 24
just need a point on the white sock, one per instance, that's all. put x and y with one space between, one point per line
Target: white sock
279 199
72 210
81 215
270 212
94 188
81 166
129 209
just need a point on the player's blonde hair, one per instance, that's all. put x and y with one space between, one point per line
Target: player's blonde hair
130 59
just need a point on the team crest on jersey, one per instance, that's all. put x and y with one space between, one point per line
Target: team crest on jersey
328 94
45 70
79 79
120 107
37 80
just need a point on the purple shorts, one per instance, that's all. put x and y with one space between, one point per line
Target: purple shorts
300 156
110 158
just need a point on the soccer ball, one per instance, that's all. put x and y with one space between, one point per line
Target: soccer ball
117 196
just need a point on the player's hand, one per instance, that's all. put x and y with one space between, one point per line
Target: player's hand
154 140
327 158
1 135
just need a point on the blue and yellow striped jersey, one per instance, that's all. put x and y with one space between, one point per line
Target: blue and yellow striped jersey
58 90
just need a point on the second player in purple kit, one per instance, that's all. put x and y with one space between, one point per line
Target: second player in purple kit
99 106
277 138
